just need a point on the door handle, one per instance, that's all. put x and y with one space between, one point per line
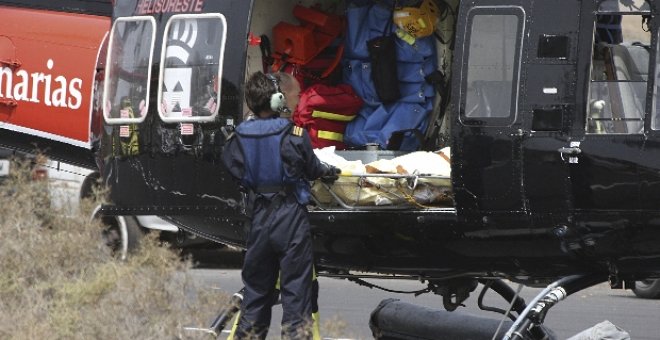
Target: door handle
571 151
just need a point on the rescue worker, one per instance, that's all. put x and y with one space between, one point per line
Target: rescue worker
274 162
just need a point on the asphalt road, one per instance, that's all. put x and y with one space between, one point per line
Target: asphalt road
345 307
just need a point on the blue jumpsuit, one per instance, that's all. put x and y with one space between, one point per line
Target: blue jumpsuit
274 161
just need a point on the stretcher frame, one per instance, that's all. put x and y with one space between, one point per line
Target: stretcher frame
411 179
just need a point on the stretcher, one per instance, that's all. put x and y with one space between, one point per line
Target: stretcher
418 180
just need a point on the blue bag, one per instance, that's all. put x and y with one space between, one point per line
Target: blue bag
376 122
418 93
404 116
356 135
357 73
376 125
421 50
357 33
415 72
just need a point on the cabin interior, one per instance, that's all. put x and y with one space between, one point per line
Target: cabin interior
404 123
268 14
418 118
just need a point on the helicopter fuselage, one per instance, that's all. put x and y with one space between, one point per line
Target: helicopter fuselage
554 139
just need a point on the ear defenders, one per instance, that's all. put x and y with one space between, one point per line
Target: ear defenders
277 99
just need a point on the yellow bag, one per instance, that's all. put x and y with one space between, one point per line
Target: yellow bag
418 22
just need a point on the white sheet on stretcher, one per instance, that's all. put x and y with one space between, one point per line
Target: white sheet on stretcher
367 190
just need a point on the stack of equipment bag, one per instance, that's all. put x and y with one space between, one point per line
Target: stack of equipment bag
415 59
324 108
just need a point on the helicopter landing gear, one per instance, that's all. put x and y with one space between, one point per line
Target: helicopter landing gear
224 317
394 319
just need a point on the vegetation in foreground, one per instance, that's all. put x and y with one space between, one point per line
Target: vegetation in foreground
58 280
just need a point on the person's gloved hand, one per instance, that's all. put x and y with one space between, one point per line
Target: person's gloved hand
331 175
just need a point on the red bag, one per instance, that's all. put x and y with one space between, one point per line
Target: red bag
324 112
312 50
322 69
301 43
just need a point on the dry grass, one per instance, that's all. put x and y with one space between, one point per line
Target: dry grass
59 281
334 327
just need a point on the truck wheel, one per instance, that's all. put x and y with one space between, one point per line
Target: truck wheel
122 234
647 289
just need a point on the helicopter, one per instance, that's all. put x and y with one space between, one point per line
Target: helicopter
552 128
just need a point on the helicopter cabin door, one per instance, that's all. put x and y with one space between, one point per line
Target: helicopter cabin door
605 171
486 153
172 92
549 109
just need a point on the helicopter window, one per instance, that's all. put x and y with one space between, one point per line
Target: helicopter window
126 90
191 67
619 73
490 94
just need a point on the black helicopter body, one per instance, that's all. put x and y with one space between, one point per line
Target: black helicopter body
542 187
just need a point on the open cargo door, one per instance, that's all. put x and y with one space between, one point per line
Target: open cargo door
48 76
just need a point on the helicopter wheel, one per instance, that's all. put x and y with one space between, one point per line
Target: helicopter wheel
122 234
647 289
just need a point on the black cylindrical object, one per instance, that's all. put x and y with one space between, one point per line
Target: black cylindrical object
393 319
